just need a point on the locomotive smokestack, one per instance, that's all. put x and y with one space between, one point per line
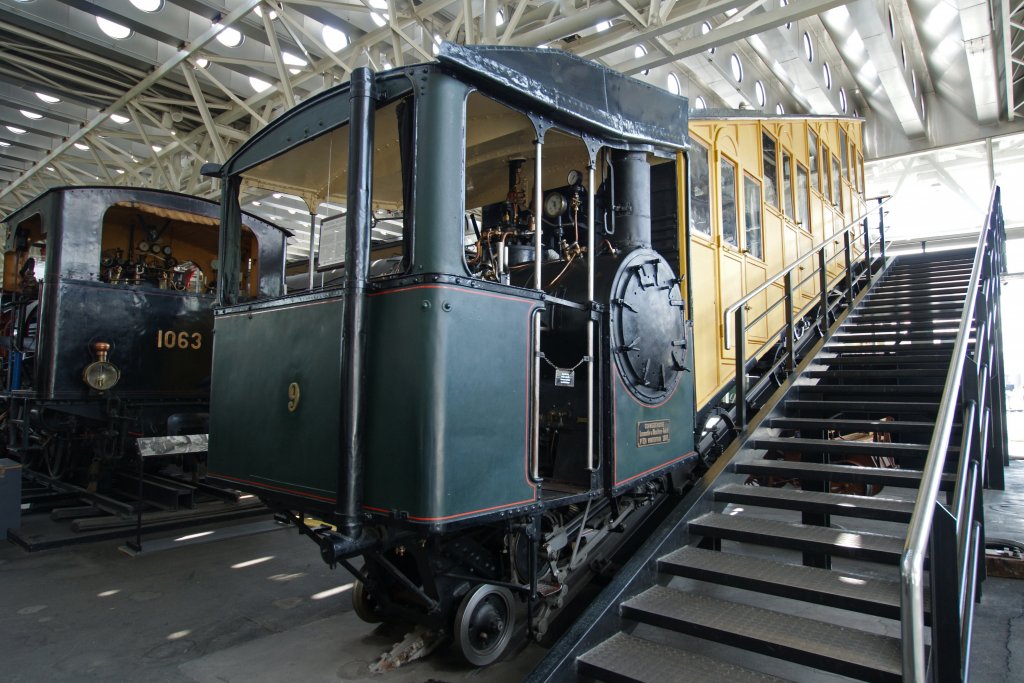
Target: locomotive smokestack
357 260
632 186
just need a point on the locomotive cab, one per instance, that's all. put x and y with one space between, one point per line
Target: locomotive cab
483 419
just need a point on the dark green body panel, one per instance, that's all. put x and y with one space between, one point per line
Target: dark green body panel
632 460
447 432
254 438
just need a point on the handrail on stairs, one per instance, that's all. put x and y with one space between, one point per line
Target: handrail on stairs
954 532
736 335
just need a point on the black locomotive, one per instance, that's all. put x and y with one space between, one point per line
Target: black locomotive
487 419
106 329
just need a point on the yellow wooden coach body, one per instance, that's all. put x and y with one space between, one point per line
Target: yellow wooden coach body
764 190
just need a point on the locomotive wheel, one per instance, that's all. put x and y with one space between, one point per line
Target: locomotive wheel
363 603
484 624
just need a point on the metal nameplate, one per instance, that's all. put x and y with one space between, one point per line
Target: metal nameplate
565 378
652 433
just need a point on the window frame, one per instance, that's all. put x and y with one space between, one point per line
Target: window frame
709 235
723 160
788 204
803 210
748 178
775 201
814 159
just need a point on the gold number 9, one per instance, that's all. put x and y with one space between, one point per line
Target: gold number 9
293 397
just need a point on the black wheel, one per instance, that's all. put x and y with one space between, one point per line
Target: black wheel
363 603
484 624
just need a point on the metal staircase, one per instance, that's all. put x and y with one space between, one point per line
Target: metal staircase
782 565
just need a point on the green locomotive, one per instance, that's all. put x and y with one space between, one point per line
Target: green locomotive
484 420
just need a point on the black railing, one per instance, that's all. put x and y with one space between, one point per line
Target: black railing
952 535
736 327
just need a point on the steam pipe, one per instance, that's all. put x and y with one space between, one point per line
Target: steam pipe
357 260
591 256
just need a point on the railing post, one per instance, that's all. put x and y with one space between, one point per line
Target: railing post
947 660
881 229
867 252
790 331
741 368
823 291
848 255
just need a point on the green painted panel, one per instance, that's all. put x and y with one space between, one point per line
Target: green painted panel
647 437
448 423
259 432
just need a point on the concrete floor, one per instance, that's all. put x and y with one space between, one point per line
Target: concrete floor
261 606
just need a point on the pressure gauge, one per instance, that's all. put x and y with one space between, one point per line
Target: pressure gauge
167 251
575 177
143 246
101 375
155 248
555 205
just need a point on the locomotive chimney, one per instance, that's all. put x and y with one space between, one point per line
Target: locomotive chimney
631 180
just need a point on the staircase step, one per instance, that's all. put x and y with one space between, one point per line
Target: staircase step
844 651
916 373
884 408
802 537
855 336
840 504
808 584
921 289
805 423
886 476
916 361
909 316
889 306
868 389
944 297
840 447
903 348
627 659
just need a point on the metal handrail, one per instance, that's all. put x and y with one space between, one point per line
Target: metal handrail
731 310
920 528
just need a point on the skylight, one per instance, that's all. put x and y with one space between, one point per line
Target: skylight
258 84
49 99
259 13
16 130
334 39
113 29
4 143
82 146
673 84
229 37
119 119
149 5
35 116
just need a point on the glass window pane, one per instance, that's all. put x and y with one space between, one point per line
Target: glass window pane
837 186
812 154
700 186
844 152
802 198
728 183
769 169
752 215
826 179
787 184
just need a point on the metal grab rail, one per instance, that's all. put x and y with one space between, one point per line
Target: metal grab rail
955 541
738 309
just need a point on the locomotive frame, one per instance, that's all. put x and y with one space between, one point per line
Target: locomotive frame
114 338
494 481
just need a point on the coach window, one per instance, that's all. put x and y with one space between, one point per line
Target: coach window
837 185
802 198
844 152
769 169
727 171
787 185
826 179
700 186
860 171
752 215
812 157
